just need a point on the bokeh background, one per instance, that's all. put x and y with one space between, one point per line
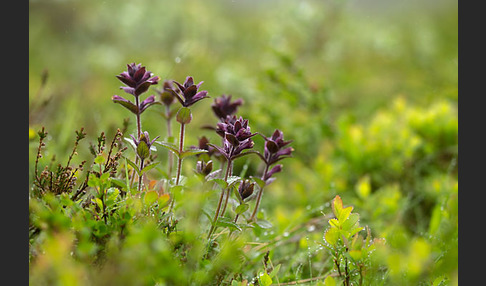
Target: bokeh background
367 91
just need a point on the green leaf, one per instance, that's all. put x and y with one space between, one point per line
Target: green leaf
363 187
355 230
112 193
339 211
435 219
210 219
149 167
119 182
93 181
220 182
348 225
441 280
163 200
171 140
150 197
133 165
99 203
225 222
233 180
99 159
265 279
334 222
332 236
258 181
241 208
97 168
356 254
263 223
127 180
329 281
143 150
105 177
170 146
275 270
192 152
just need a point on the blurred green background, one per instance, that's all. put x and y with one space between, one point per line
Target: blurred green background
367 91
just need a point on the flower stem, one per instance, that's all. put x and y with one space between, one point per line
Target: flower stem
255 211
227 193
139 122
181 146
179 165
169 134
140 177
228 167
139 132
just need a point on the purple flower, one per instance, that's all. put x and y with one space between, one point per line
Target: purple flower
133 107
274 148
275 169
166 94
203 144
188 93
245 189
236 134
223 106
235 129
204 168
137 79
143 144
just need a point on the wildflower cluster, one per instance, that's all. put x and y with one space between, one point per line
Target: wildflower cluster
235 132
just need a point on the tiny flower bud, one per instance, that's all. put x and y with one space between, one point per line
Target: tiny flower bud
184 115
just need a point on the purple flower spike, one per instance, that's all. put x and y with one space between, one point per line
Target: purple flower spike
236 134
188 92
137 79
223 106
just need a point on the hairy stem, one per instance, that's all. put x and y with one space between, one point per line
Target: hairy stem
181 146
228 167
139 132
259 197
169 134
140 177
179 163
139 122
227 190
